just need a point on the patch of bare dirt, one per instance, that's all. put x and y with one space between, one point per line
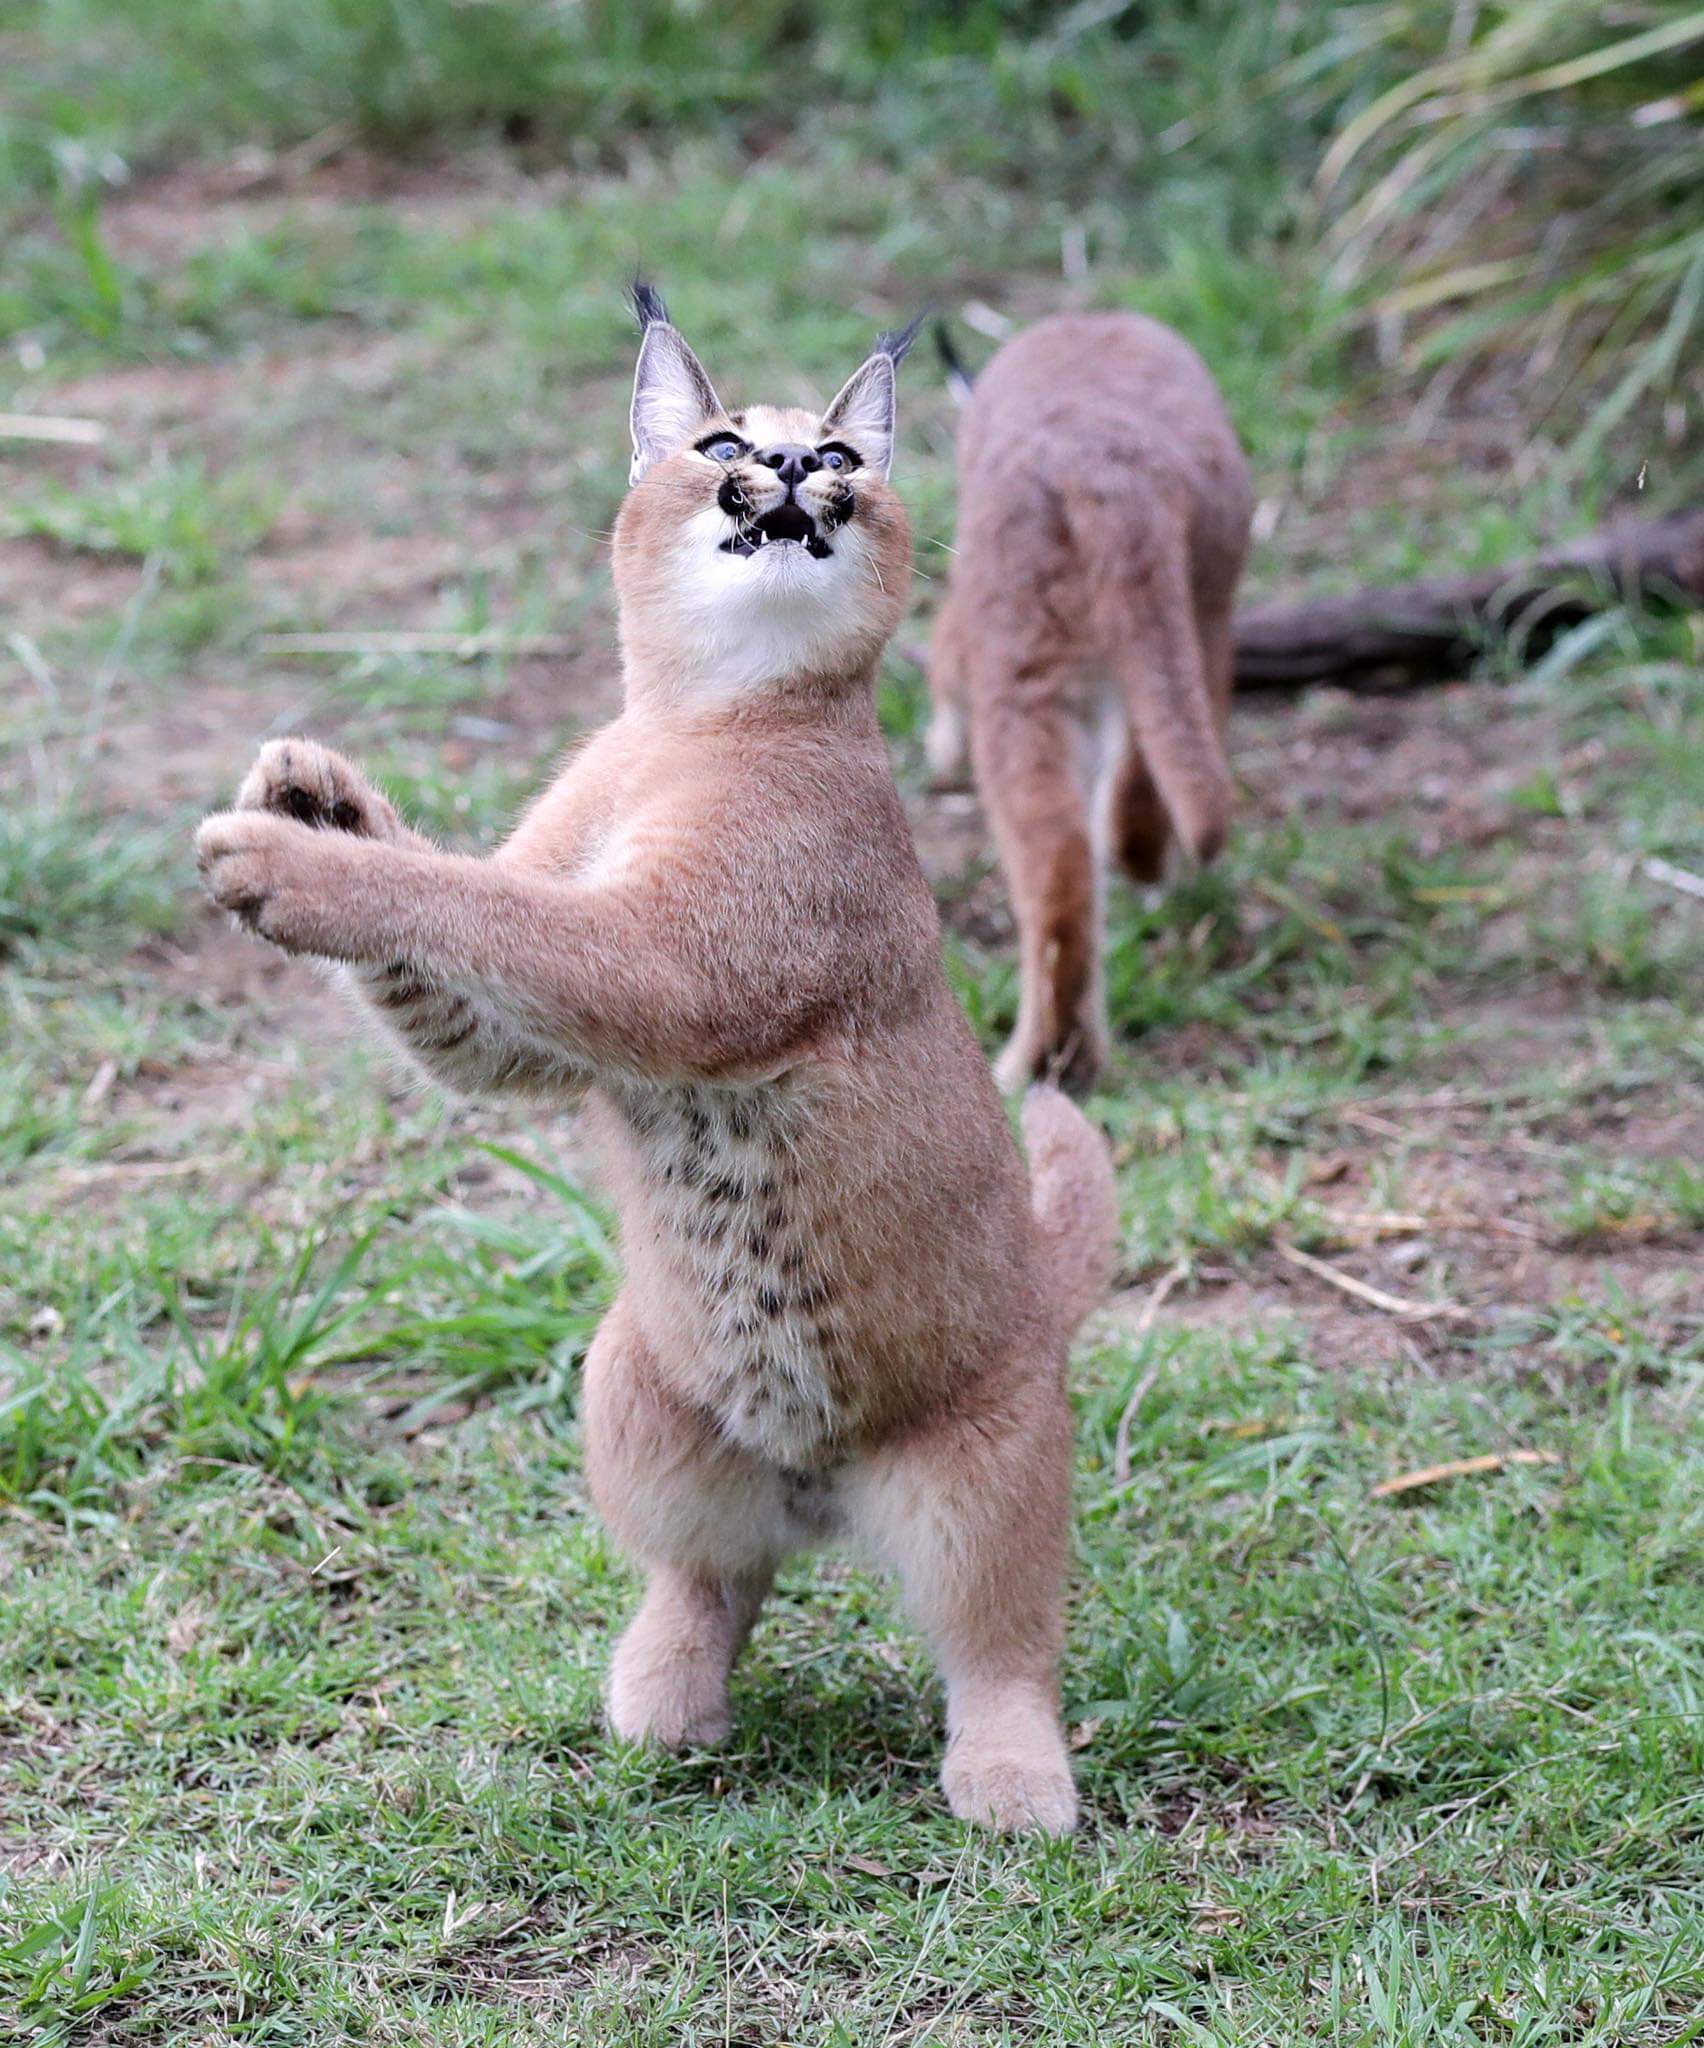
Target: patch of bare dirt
167 216
1450 754
144 398
138 400
178 1114
1676 1134
353 567
188 746
1332 1333
1473 1283
215 962
43 584
20 1856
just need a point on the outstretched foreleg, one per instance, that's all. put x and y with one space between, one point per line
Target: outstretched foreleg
460 1041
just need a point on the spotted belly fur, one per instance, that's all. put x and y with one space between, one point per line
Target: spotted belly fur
731 1217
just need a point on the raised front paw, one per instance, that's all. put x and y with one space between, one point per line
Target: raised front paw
302 780
263 869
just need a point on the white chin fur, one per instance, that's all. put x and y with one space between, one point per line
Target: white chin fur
755 619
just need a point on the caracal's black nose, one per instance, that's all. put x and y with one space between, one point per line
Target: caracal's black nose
791 462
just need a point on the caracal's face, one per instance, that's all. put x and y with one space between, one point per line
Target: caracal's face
758 543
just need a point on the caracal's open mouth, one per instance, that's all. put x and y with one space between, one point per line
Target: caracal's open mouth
788 525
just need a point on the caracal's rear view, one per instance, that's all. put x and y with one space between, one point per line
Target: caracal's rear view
1085 642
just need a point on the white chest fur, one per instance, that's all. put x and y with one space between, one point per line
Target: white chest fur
727 1209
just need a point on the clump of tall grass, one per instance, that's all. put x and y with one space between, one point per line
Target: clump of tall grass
1531 186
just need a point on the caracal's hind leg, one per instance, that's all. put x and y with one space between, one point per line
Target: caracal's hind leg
1031 746
973 1512
1141 830
705 1519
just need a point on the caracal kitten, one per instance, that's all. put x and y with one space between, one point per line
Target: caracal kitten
846 1307
1085 640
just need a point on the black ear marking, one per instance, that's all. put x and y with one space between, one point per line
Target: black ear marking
895 343
673 399
647 304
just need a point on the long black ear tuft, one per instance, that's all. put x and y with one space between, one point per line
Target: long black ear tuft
647 303
672 397
895 343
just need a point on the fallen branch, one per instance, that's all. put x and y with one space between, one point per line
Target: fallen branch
1363 1290
1421 632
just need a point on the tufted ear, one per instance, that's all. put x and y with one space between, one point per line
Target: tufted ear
862 411
672 397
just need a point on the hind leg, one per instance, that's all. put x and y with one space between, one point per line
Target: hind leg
704 1518
668 1681
973 1512
1140 828
1028 748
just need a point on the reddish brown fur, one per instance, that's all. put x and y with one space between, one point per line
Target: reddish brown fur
1104 509
842 1311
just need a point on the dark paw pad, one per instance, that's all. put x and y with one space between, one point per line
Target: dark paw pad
302 805
308 809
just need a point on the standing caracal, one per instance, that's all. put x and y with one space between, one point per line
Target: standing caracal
846 1306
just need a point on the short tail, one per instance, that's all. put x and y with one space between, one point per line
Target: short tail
1076 1204
1146 615
958 377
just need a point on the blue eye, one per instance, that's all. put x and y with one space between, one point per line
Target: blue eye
836 455
725 450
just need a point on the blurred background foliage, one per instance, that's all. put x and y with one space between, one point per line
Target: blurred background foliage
1510 189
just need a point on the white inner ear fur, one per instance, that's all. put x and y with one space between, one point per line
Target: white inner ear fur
862 412
672 397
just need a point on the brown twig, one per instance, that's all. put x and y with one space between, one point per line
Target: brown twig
1392 1304
1145 1385
1459 1468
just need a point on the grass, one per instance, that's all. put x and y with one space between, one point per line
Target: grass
303 1611
70 877
1496 238
348 1708
98 86
173 516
